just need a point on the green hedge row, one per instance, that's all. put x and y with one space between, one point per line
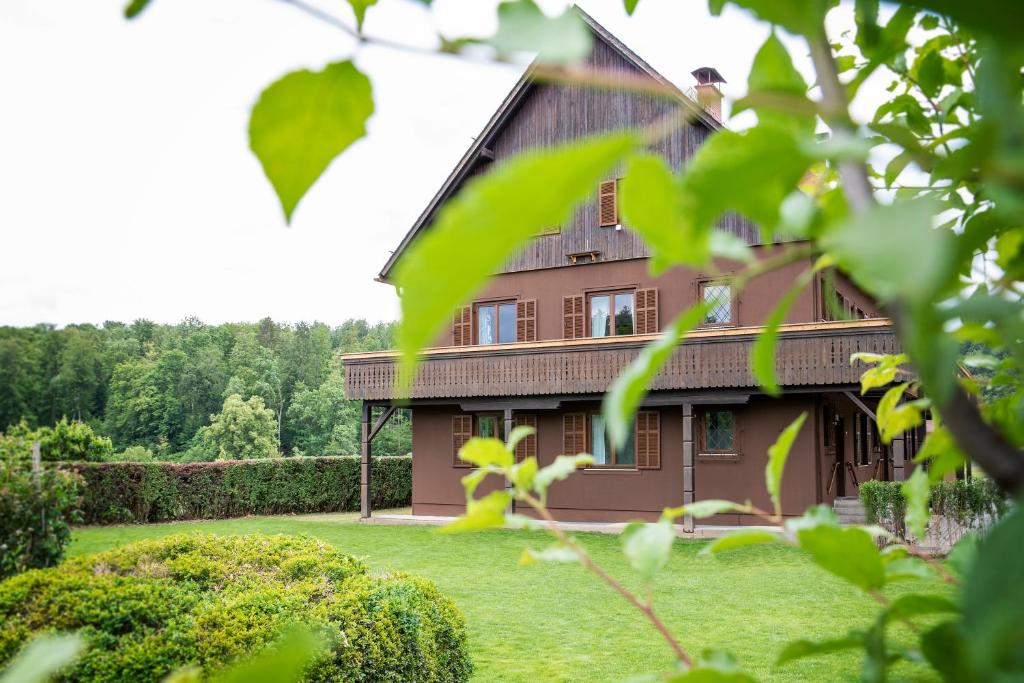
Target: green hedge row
118 492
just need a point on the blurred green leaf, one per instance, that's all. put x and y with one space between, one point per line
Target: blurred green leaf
849 553
483 452
359 8
917 491
1000 18
629 388
773 72
304 120
485 223
894 417
873 247
993 601
750 172
471 481
630 6
285 662
798 649
655 204
964 553
523 27
884 370
517 435
814 516
917 604
42 658
802 17
703 508
778 452
523 474
481 513
558 552
135 8
762 353
944 648
907 569
740 539
647 546
561 468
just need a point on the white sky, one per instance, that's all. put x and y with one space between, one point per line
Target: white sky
127 188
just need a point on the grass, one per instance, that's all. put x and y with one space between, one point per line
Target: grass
553 622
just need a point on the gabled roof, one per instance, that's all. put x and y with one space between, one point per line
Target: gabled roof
480 147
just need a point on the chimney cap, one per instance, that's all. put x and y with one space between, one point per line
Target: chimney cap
706 75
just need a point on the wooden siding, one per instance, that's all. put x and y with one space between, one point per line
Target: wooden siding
556 113
807 355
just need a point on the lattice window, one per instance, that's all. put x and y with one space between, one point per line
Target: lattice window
719 432
718 299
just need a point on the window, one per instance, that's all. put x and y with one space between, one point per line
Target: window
861 440
489 427
718 299
496 323
604 451
611 314
718 432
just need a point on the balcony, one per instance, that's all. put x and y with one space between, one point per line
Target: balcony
807 355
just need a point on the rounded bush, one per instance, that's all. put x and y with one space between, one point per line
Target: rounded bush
152 607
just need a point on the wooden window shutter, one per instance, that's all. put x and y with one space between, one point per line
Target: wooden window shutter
648 440
526 320
462 431
462 326
527 446
572 317
647 311
574 433
608 212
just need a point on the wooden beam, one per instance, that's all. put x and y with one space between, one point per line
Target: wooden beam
365 504
860 404
382 420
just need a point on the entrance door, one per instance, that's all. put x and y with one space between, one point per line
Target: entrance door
839 441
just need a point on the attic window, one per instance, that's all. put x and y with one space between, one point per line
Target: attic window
584 257
608 210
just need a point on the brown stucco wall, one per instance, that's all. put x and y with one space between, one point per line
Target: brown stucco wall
677 290
609 495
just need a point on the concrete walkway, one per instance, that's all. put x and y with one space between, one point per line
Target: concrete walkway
700 531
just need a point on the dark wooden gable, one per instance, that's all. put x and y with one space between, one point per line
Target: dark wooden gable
540 115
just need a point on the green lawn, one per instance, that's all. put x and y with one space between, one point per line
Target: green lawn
558 623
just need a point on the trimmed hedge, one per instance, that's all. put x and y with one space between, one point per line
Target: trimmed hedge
206 601
119 492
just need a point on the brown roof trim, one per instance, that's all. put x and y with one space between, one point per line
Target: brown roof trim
500 117
822 328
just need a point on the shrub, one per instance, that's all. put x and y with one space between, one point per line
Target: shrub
962 505
152 607
132 454
158 491
35 516
66 440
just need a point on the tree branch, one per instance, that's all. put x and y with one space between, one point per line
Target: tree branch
979 440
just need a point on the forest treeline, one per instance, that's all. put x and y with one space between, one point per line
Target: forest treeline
157 387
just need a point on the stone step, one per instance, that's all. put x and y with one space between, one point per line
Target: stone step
849 510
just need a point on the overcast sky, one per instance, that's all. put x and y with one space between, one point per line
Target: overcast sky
127 188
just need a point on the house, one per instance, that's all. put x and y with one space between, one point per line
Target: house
568 313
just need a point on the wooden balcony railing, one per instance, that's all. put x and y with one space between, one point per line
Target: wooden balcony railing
808 354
